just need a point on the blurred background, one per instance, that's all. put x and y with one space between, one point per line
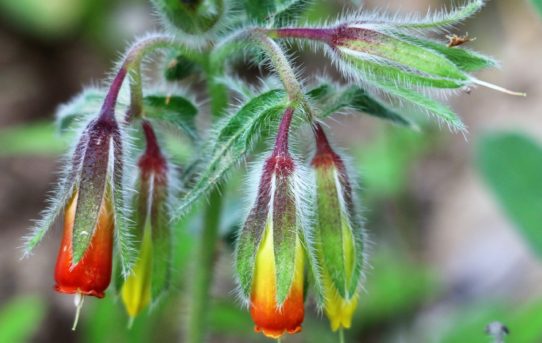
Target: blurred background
455 220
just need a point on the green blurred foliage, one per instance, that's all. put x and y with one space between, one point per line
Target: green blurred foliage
20 318
537 5
524 322
46 19
385 161
38 138
511 164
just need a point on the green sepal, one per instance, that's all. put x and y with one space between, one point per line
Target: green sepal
408 59
285 234
331 99
246 249
162 244
233 139
172 109
387 71
423 102
329 227
95 177
123 230
466 60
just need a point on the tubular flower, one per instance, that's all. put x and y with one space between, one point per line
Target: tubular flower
91 276
338 234
150 277
269 256
91 196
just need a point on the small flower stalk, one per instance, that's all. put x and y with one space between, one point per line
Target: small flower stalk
270 257
338 234
151 273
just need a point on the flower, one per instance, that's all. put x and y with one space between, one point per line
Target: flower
270 258
338 235
150 277
91 195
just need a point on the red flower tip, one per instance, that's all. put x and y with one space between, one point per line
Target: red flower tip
92 275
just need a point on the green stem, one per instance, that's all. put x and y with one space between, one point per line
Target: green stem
341 335
284 70
206 251
132 63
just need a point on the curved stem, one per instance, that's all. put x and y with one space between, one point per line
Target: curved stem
285 71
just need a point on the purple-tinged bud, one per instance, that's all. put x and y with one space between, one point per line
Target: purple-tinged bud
269 256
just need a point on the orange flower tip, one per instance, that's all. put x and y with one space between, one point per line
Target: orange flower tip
78 302
277 333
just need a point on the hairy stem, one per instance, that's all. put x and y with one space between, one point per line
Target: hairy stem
284 70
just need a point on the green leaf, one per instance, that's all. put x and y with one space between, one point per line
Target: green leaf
511 164
232 141
20 318
332 99
432 106
173 109
537 5
178 67
289 11
259 10
466 60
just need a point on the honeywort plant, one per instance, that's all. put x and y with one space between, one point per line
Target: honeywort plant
120 191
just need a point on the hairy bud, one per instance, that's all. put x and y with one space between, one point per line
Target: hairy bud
151 274
338 235
269 257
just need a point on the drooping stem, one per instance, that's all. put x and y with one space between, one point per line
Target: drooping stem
284 70
318 34
131 66
203 273
281 142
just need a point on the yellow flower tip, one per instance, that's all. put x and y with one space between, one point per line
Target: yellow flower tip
136 290
340 311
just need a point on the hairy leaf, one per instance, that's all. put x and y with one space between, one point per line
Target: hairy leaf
445 19
432 106
173 109
289 11
331 99
232 140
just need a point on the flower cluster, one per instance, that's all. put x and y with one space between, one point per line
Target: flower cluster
280 242
304 229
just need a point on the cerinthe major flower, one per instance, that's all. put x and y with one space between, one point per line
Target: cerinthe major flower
338 234
150 276
270 257
90 196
